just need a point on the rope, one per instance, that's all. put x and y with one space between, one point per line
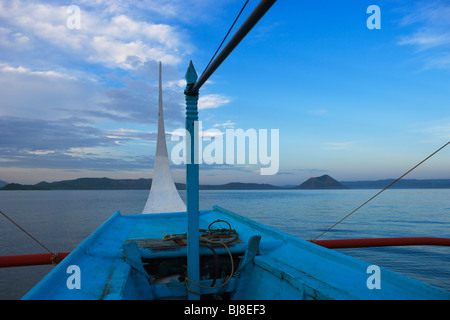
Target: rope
54 257
383 190
218 286
226 36
211 236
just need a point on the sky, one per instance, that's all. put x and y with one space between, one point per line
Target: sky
79 89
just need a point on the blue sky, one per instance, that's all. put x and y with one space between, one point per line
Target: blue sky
354 103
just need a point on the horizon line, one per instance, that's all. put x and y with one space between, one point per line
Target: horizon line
224 183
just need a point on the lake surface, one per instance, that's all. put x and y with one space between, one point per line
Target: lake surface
62 219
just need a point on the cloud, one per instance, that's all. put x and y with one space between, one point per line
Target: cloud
52 95
137 102
37 134
438 132
76 161
228 125
66 144
109 37
424 40
432 32
212 101
126 135
25 71
87 98
48 94
104 71
431 12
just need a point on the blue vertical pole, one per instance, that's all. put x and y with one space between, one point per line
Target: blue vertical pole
192 183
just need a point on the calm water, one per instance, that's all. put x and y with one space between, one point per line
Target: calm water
62 219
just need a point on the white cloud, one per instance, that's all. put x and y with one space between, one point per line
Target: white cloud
432 12
432 32
44 94
112 38
120 39
227 124
39 152
26 71
439 132
9 38
425 40
181 83
130 134
211 133
212 101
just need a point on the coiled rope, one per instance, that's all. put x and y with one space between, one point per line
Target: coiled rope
222 237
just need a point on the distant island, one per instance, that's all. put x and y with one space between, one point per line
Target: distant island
315 183
323 182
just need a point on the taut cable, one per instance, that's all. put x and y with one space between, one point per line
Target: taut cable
28 234
382 191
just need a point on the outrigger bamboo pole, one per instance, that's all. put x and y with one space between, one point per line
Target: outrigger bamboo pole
48 258
382 242
31 259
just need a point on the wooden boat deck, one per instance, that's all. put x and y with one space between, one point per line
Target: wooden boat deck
114 263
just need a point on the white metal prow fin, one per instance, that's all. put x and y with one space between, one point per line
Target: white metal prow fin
163 196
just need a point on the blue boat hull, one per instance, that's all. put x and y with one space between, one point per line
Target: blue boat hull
116 261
